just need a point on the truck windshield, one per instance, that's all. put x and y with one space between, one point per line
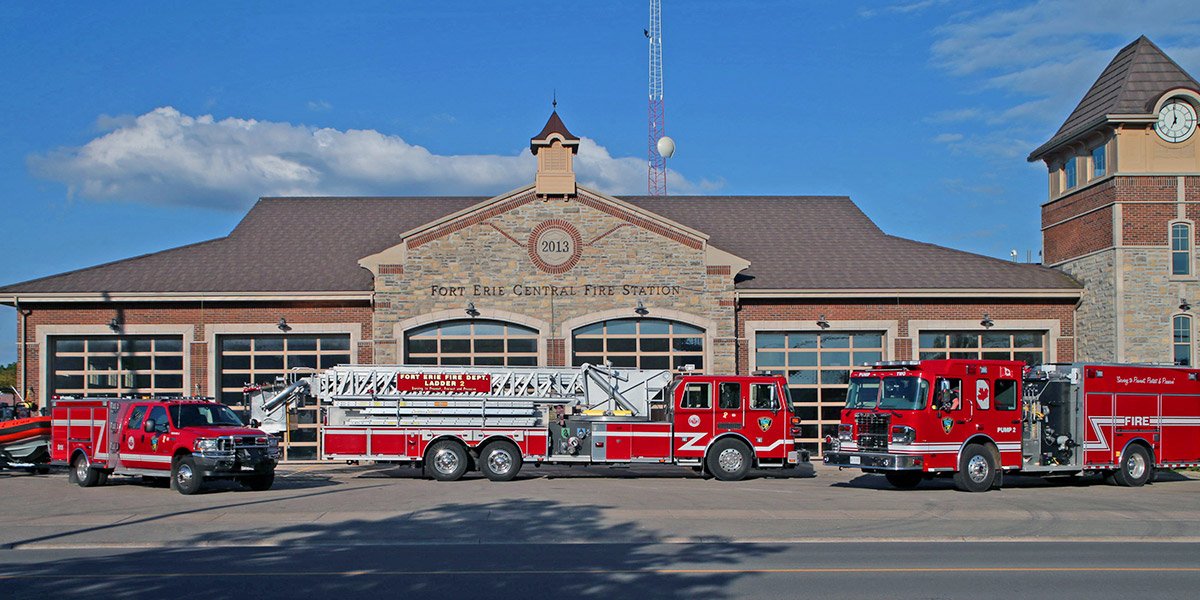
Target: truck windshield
887 393
203 415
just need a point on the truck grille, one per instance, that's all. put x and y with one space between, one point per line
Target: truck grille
873 430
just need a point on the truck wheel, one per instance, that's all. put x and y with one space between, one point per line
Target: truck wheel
728 460
259 482
83 473
1135 468
186 477
446 461
976 469
905 480
500 461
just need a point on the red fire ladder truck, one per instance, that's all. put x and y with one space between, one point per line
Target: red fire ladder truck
450 419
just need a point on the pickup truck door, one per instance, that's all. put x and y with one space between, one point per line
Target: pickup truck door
150 450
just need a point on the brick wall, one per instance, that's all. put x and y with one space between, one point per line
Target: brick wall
187 314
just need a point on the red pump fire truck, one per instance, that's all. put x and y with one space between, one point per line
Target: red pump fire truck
976 419
186 440
450 419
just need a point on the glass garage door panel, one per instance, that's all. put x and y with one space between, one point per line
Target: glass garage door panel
472 342
1027 346
116 365
817 366
639 343
263 359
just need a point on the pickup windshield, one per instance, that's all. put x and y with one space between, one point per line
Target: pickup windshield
887 393
203 415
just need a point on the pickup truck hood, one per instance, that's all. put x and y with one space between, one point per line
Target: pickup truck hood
209 432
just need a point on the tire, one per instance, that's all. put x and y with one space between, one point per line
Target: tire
729 460
83 473
976 469
186 478
1136 467
500 461
446 461
260 482
905 480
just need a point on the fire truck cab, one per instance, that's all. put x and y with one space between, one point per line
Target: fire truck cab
976 419
187 440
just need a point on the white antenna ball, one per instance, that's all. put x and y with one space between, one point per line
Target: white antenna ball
666 146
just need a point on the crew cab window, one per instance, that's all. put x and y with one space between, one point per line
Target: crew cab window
762 397
203 415
135 418
159 415
695 395
1006 394
731 396
949 394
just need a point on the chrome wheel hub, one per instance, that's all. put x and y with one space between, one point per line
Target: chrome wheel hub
500 462
730 460
445 461
1135 465
977 468
81 468
184 474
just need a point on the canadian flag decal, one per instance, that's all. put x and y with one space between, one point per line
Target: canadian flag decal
983 394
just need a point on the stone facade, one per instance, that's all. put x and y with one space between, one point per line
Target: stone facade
1096 317
485 258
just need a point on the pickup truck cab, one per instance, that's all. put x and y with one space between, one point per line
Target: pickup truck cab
189 441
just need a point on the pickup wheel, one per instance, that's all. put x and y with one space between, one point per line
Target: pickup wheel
259 482
446 461
976 469
728 460
186 477
905 480
1135 468
83 473
500 461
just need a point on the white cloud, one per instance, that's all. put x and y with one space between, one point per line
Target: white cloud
902 8
166 157
319 105
946 138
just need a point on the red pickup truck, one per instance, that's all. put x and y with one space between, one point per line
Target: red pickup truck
189 441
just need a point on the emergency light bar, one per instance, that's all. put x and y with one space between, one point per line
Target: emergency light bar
897 364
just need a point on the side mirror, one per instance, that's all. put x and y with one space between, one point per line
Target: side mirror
148 427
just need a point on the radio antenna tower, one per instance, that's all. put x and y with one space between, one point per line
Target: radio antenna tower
660 147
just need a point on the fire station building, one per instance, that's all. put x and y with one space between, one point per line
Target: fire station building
554 273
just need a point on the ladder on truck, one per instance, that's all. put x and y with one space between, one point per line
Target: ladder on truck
373 395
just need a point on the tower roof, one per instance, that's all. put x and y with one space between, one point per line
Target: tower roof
553 125
1130 85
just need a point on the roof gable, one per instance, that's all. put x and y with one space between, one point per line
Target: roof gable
1130 85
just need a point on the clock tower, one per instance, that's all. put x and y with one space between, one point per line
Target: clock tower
1123 208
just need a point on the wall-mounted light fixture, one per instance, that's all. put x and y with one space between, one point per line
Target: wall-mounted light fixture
114 324
471 312
987 321
283 326
1183 305
641 309
822 323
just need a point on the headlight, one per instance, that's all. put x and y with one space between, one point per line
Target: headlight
845 432
903 434
206 444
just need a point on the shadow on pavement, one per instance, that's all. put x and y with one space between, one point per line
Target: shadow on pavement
514 548
878 482
528 472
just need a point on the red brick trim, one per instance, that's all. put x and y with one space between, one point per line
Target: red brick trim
642 222
391 269
470 219
718 270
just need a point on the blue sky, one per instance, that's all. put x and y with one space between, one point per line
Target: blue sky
127 128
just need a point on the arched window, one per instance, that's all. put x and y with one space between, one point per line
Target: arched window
1182 340
471 342
1181 249
639 343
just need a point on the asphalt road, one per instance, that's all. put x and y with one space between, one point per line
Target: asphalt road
600 532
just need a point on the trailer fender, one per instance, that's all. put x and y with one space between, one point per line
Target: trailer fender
521 446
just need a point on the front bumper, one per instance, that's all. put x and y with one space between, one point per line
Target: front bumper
241 462
881 461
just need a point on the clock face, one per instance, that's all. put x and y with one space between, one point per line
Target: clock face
1176 121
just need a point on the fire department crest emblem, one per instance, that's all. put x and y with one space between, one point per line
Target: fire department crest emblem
947 425
129 442
694 421
154 443
764 423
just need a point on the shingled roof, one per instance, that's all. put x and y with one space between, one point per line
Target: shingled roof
1130 85
314 245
